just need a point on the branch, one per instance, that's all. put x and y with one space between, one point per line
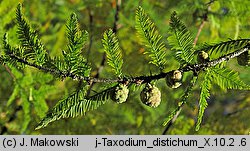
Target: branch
198 67
140 79
204 19
172 121
237 111
8 70
115 25
199 31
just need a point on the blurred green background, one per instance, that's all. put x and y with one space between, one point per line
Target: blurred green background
26 95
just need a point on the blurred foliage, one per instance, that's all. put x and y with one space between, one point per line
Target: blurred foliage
26 95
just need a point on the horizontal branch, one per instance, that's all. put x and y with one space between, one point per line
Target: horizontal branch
140 79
